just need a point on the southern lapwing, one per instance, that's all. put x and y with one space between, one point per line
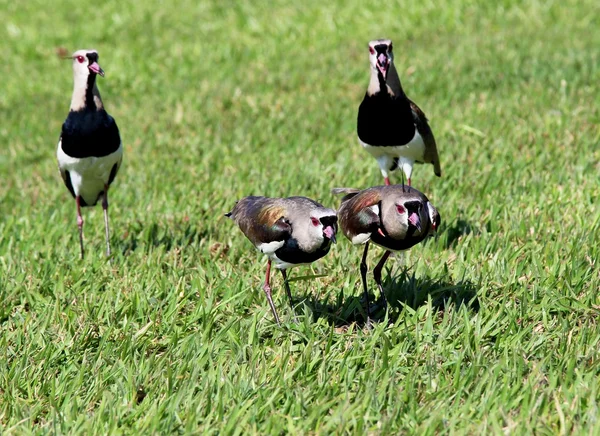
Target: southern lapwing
390 126
89 149
290 231
394 217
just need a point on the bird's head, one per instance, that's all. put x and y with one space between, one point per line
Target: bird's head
85 62
381 56
406 212
323 225
411 212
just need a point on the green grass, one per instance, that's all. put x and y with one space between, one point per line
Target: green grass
494 325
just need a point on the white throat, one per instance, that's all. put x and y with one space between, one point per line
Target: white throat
79 91
374 86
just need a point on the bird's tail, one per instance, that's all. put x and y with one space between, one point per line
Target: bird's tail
347 192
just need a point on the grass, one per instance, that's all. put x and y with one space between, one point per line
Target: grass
494 324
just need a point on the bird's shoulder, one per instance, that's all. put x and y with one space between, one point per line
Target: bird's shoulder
360 213
417 111
363 199
262 220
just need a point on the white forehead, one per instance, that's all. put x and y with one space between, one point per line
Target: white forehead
322 212
375 42
84 52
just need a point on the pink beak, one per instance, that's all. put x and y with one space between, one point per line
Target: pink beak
415 221
329 233
383 64
95 68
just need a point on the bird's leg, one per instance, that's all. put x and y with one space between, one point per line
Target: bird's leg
79 223
267 289
409 182
377 276
289 293
387 181
105 209
363 274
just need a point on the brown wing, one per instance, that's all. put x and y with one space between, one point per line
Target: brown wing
356 215
261 219
431 153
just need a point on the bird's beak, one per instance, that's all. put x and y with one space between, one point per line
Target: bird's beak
383 64
329 233
415 221
95 68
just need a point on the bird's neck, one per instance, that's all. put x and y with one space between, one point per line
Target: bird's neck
86 94
389 85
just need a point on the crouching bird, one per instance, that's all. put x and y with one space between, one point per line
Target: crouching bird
394 217
89 149
290 231
390 126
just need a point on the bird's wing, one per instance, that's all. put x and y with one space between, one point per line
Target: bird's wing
262 220
64 173
431 153
360 214
273 224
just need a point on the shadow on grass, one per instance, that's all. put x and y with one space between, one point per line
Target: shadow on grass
455 232
401 290
167 235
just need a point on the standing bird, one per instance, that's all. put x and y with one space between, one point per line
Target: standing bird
390 126
89 149
290 231
393 217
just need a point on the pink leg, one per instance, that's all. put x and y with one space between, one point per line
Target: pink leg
79 223
387 181
267 289
409 182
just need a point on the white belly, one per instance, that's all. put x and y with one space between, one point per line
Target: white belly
414 150
89 174
406 154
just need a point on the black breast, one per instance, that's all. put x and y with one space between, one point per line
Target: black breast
291 252
398 244
384 120
90 133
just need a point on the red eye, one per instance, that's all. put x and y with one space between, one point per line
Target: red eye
400 209
315 222
371 50
80 59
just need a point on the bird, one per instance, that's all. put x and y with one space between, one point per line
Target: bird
395 217
391 127
290 231
89 151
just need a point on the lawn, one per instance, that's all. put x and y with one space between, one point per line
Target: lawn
494 323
